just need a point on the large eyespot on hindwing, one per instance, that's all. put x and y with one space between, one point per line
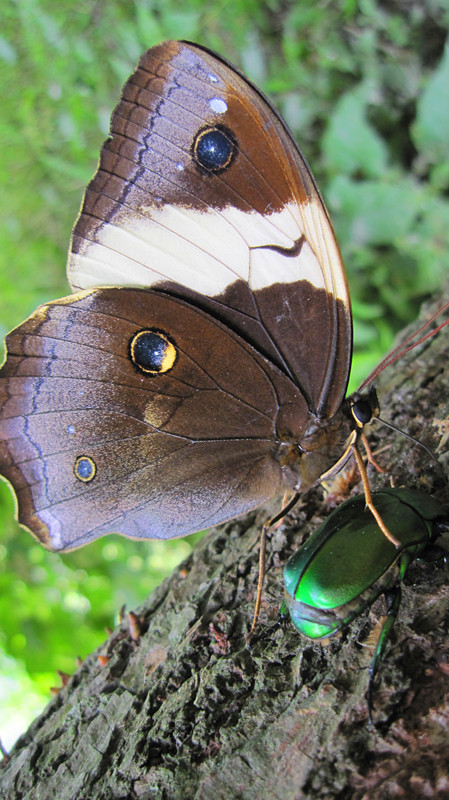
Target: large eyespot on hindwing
152 351
214 148
84 469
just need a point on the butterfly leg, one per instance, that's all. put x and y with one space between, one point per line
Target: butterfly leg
369 453
262 560
261 579
368 498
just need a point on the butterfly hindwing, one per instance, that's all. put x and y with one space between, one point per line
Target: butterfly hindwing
164 452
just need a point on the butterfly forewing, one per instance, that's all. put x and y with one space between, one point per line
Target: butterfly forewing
253 235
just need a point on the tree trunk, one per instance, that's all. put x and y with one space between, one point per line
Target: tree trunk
187 710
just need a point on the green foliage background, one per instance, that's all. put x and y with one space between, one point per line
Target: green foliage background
365 88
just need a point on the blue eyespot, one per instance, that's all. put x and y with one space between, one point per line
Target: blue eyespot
215 148
85 469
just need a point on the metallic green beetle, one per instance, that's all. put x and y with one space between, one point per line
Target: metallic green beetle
348 562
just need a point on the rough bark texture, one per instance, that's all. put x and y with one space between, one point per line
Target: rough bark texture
188 711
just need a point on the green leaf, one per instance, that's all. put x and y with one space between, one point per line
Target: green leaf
370 212
431 129
350 144
427 243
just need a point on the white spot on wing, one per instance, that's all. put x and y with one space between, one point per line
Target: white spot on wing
218 105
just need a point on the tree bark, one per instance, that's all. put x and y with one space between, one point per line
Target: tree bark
187 710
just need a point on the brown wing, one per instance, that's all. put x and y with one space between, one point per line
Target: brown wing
202 190
130 411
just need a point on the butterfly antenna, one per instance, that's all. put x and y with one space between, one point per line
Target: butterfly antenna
412 439
408 344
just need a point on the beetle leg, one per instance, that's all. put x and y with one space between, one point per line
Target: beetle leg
393 601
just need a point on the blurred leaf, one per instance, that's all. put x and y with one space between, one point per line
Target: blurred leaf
350 144
431 129
21 698
427 245
375 212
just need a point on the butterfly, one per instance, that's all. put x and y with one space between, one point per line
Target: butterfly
200 367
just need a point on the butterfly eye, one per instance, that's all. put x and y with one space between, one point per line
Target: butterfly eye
152 351
85 469
214 149
364 407
362 412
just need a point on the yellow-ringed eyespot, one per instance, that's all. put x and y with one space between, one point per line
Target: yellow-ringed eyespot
85 469
152 351
214 148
